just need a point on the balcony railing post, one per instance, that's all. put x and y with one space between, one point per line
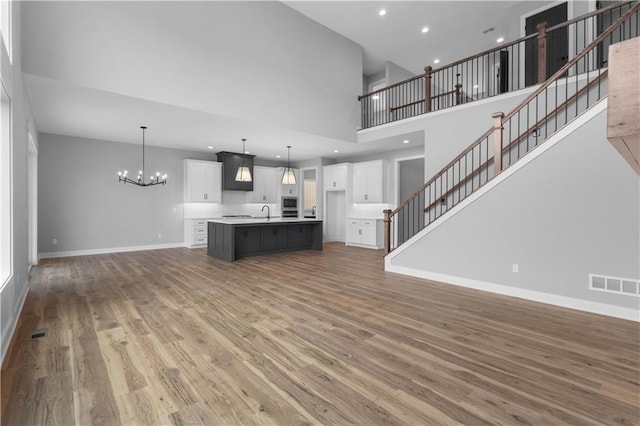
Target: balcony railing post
542 52
458 94
497 142
427 88
387 231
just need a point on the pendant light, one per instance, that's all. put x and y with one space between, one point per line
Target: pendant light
288 177
243 174
154 180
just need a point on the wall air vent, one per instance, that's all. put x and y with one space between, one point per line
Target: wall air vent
617 285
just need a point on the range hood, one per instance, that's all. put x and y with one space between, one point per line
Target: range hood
231 161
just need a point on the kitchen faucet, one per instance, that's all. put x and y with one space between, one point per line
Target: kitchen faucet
268 211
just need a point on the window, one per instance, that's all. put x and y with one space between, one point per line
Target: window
5 24
6 238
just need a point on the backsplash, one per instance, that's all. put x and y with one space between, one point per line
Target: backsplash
233 202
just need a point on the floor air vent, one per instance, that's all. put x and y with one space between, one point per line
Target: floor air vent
625 286
36 334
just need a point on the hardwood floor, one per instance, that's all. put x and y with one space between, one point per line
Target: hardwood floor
176 337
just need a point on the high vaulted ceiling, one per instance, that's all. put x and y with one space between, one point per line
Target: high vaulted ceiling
455 28
206 74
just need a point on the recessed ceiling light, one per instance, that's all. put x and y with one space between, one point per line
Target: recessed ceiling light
246 152
500 40
405 141
382 12
425 30
278 156
335 150
210 147
436 61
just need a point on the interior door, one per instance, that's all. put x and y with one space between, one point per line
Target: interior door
557 43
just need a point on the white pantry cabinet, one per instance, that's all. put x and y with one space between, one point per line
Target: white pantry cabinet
369 182
202 181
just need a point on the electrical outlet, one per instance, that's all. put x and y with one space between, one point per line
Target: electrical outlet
55 241
515 268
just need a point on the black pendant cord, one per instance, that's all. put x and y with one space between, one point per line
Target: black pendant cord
143 130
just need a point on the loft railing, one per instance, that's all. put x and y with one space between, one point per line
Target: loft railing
572 90
506 68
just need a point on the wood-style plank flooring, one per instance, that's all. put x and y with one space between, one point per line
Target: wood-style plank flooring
176 337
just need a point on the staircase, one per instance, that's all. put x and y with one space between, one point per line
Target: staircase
573 89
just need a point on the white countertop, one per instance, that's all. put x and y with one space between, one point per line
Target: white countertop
251 220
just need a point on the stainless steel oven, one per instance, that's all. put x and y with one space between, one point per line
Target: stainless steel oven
289 206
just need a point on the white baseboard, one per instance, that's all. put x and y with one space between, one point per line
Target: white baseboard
108 250
536 296
8 337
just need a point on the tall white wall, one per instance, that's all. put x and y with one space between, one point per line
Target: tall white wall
258 61
13 292
572 211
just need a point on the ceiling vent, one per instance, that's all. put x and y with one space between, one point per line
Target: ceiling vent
488 30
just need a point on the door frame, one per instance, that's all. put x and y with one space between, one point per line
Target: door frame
396 164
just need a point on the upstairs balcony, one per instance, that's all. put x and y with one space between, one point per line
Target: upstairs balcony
512 66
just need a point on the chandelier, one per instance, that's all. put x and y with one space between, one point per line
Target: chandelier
154 180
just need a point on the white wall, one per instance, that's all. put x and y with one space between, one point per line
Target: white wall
572 211
196 55
14 291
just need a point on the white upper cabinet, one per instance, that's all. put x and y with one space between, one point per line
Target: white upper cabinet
335 177
266 181
202 181
369 182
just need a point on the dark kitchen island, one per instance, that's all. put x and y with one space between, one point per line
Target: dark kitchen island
234 238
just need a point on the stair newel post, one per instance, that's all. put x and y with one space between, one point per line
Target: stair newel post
387 231
542 52
427 88
497 142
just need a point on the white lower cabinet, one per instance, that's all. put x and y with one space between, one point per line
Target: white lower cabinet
364 233
195 232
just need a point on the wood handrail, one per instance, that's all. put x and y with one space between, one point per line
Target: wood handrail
435 177
573 61
416 77
529 98
518 139
502 46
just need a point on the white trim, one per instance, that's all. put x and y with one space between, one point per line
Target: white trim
536 296
9 336
109 250
523 162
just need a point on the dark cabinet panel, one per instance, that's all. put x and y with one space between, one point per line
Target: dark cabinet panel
274 237
247 240
299 236
230 163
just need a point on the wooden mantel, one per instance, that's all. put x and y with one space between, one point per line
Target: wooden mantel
624 100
